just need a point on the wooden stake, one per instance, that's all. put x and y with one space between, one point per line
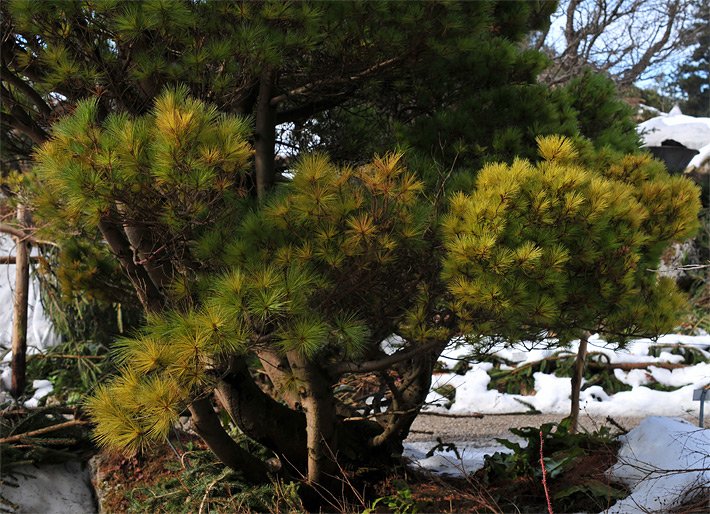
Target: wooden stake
19 321
10 259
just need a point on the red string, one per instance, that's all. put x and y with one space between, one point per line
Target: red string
544 475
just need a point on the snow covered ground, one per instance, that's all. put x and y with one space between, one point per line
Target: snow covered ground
552 393
691 131
663 461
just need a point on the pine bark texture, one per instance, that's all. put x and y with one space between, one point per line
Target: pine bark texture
318 404
262 418
209 428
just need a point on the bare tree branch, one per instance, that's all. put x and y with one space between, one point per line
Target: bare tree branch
628 39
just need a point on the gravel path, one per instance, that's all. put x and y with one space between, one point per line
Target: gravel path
483 431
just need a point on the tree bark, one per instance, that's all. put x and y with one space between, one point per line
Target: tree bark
149 295
145 251
262 418
277 369
315 392
408 397
209 428
265 135
577 375
19 321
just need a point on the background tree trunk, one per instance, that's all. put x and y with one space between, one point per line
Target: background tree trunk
577 375
265 135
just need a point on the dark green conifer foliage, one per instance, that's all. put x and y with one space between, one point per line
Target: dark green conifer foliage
301 58
603 117
693 77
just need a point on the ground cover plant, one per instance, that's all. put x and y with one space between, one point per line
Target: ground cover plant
574 469
242 274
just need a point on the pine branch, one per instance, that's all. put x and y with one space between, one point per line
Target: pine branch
362 75
384 363
24 236
149 294
16 117
23 86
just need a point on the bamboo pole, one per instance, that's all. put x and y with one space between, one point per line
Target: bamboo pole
19 321
11 259
45 430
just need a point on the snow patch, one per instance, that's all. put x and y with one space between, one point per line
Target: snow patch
470 458
664 462
42 388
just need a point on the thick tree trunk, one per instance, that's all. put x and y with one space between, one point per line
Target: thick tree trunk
315 393
577 375
149 295
209 428
262 418
144 248
19 321
265 135
277 369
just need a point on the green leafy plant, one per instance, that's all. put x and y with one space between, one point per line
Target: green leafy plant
447 391
565 454
400 503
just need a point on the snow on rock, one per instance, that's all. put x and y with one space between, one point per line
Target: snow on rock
664 462
702 157
692 132
552 393
634 377
472 393
641 401
697 375
42 388
49 489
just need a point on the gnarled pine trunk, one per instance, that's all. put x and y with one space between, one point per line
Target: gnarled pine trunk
318 403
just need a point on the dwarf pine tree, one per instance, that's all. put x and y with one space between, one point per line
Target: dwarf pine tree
305 286
559 250
563 248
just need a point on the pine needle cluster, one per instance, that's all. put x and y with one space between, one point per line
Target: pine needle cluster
557 247
175 162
